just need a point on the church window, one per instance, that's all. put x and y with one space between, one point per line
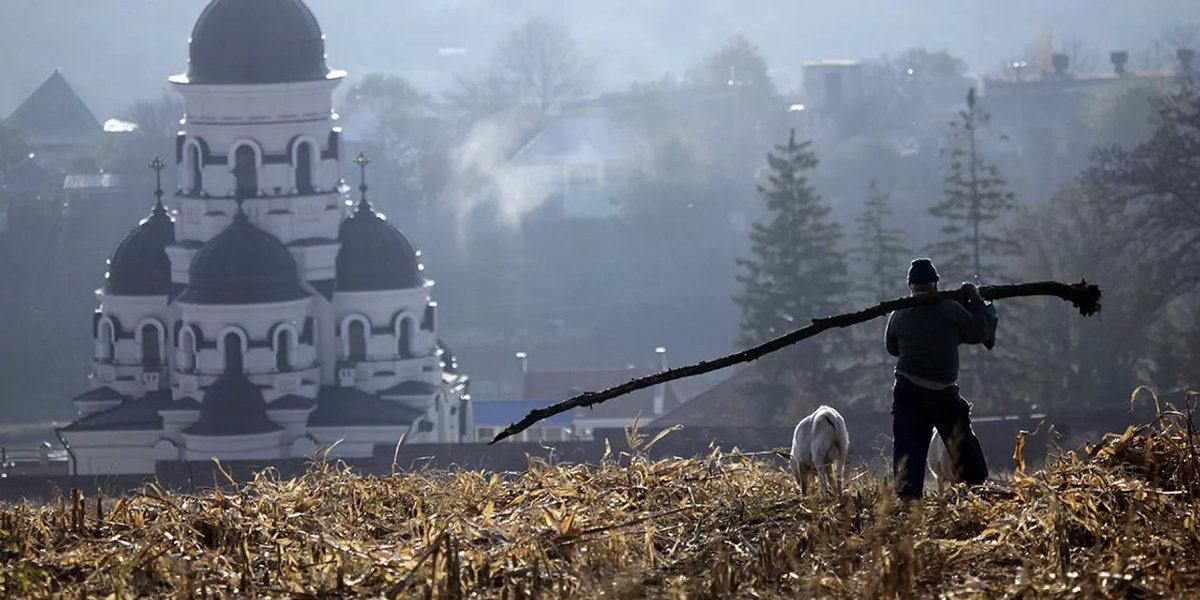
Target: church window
404 338
283 350
106 341
195 169
187 347
233 353
358 341
245 170
304 168
151 346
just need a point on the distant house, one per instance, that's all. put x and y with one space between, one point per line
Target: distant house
27 181
576 166
55 119
643 406
31 176
93 187
491 416
725 404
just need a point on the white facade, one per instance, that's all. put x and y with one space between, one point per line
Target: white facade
315 361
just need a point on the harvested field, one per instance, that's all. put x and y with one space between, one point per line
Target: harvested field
1117 519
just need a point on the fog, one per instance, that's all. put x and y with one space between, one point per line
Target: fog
694 93
117 50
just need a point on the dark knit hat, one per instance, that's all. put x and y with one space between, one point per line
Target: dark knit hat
922 271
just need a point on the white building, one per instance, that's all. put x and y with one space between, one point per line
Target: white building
262 321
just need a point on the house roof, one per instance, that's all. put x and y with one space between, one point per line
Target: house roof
133 414
498 413
100 394
291 402
92 181
353 407
725 404
410 388
31 175
55 113
580 139
549 387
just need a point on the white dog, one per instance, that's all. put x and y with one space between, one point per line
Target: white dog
820 444
940 464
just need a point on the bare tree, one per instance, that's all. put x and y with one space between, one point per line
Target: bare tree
1181 36
539 64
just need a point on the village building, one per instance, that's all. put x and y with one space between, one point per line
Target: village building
260 317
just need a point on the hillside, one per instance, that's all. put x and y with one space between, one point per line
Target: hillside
1115 519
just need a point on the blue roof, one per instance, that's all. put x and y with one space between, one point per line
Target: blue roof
490 413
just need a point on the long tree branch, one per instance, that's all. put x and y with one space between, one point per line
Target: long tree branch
1085 297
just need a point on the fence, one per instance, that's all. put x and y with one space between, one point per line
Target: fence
870 441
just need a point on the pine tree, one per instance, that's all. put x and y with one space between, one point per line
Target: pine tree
796 274
882 259
975 196
879 248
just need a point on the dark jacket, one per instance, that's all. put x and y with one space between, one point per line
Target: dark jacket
926 338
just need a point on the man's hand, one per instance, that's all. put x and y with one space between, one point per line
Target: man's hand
971 290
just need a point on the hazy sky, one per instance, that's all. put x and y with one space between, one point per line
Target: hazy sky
116 51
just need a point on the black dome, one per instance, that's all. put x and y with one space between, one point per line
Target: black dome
139 266
256 41
374 255
232 406
242 265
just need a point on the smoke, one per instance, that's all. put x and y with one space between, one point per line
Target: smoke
483 176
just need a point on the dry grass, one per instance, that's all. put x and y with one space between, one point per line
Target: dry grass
1118 519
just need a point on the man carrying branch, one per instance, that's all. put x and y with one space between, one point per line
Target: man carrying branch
925 395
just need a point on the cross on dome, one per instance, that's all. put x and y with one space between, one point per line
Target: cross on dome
158 165
362 161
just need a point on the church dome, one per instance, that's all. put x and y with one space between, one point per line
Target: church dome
374 254
242 265
256 41
139 266
232 406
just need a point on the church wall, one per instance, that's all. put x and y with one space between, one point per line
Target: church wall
125 316
256 322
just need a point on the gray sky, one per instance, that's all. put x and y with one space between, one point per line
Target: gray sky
117 51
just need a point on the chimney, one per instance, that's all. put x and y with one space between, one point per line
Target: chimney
523 361
1060 62
660 390
1119 58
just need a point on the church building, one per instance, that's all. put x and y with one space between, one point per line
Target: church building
260 317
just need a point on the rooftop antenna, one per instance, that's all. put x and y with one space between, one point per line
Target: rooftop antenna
362 161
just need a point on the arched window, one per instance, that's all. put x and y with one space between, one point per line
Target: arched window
245 170
107 349
404 338
358 341
304 168
187 351
151 347
283 351
233 353
195 169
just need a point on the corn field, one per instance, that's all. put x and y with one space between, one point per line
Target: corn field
1117 518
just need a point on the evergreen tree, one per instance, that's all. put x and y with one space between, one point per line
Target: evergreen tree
975 196
880 250
882 260
796 274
